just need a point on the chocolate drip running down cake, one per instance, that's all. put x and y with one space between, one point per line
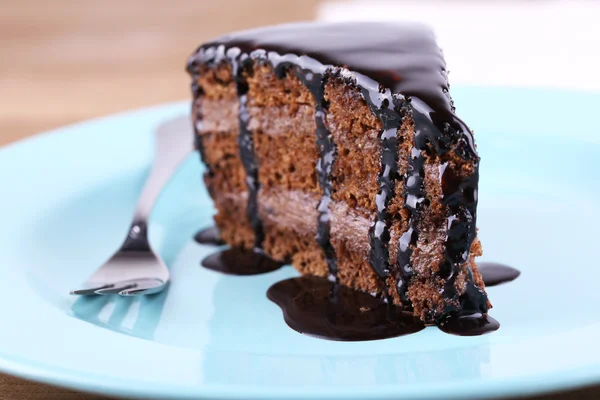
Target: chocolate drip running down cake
336 147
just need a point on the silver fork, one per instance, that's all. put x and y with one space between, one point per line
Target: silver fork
135 268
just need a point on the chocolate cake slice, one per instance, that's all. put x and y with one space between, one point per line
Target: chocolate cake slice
336 147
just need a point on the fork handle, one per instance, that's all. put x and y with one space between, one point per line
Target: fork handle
174 141
137 237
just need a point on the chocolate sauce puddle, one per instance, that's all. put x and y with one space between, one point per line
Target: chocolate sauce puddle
324 309
209 235
236 261
469 325
495 274
317 307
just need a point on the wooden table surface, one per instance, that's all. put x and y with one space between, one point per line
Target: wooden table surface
64 61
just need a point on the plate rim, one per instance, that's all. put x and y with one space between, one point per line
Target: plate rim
552 382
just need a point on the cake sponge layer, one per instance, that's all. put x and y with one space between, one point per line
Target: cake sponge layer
286 152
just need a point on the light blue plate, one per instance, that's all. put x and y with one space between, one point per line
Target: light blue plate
66 201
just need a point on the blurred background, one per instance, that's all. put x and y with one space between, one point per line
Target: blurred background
64 61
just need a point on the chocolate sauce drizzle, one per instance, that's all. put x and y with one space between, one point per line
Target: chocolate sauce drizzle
314 76
459 195
386 106
327 153
399 70
246 145
415 198
315 82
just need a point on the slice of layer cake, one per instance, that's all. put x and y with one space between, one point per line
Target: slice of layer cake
336 147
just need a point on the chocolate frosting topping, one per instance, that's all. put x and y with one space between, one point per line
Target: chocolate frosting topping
401 57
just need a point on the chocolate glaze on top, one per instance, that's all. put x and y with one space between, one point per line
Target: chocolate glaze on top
399 69
404 58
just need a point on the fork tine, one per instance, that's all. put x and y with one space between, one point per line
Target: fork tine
143 287
133 292
90 290
114 289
